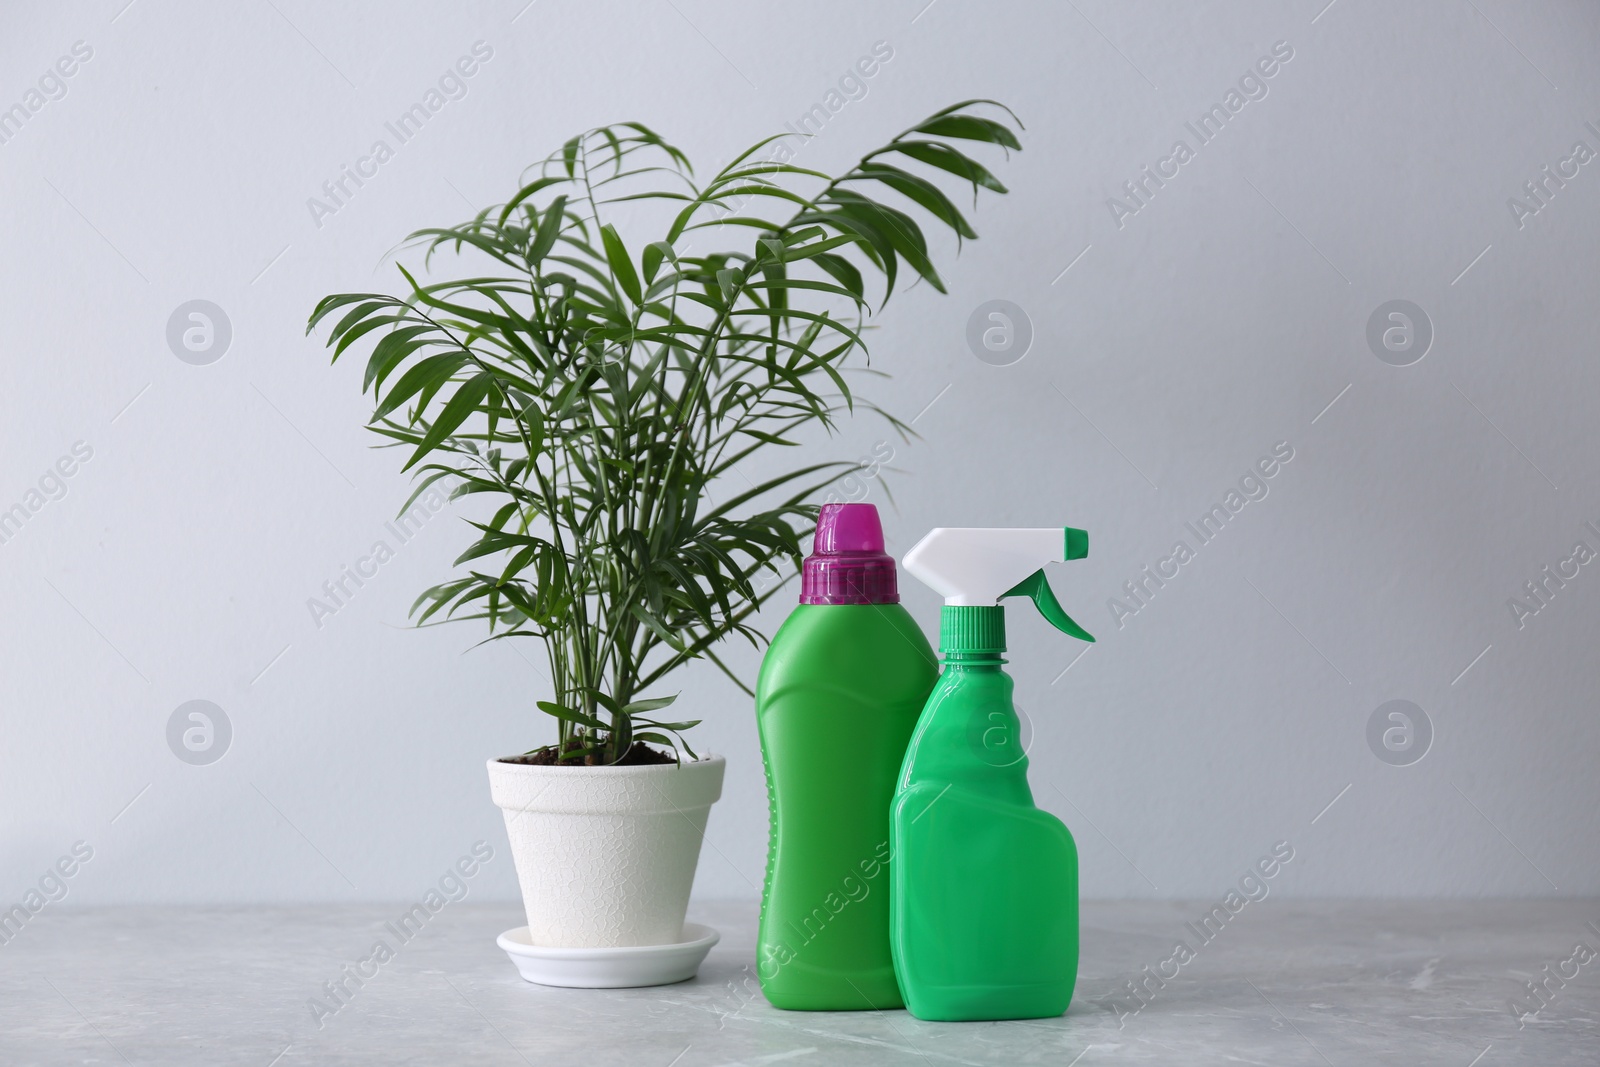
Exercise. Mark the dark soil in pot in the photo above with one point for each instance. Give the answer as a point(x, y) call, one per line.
point(639, 754)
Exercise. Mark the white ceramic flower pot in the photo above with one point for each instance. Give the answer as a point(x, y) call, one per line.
point(606, 855)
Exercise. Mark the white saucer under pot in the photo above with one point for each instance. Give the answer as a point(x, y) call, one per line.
point(609, 968)
point(606, 857)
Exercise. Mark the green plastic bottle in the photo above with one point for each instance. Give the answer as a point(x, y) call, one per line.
point(838, 696)
point(984, 886)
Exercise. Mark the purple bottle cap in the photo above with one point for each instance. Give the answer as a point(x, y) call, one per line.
point(847, 564)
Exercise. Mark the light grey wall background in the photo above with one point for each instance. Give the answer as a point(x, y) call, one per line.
point(1172, 347)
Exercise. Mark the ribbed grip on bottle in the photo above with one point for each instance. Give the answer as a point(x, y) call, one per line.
point(970, 630)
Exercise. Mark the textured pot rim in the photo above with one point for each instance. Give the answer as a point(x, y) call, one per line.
point(591, 791)
point(704, 762)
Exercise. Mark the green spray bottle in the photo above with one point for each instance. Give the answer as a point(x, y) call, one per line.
point(984, 887)
point(839, 693)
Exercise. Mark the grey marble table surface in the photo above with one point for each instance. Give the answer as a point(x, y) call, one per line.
point(1283, 982)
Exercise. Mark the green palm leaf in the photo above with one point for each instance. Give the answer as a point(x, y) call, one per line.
point(605, 403)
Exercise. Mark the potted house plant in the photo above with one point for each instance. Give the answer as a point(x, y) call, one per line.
point(594, 390)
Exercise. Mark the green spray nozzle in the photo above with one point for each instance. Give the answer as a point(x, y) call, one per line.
point(980, 567)
point(1037, 587)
